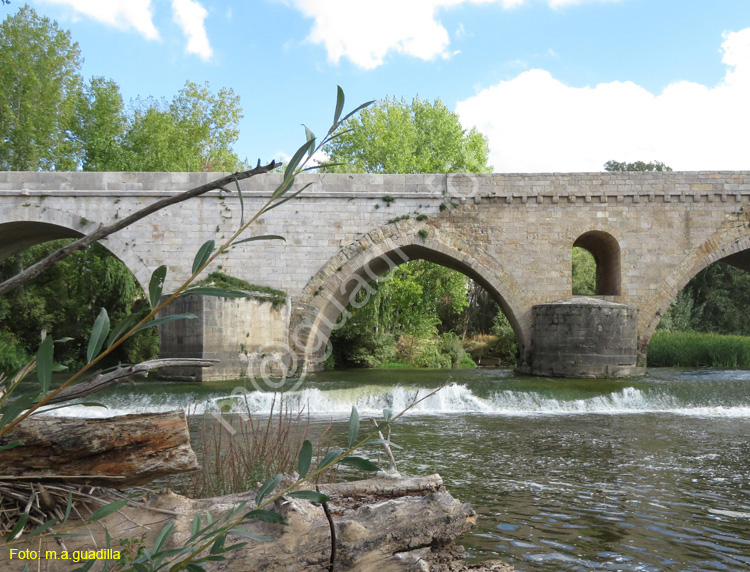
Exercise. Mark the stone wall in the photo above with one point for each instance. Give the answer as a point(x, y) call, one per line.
point(585, 337)
point(239, 332)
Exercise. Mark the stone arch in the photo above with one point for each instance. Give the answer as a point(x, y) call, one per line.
point(724, 244)
point(605, 249)
point(17, 235)
point(326, 295)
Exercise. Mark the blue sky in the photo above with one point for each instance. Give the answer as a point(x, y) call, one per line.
point(556, 85)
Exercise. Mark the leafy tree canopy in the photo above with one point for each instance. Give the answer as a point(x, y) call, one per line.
point(39, 86)
point(613, 166)
point(394, 136)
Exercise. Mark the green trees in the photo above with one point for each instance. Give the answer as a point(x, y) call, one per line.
point(67, 298)
point(101, 125)
point(39, 83)
point(194, 132)
point(50, 119)
point(396, 137)
point(613, 166)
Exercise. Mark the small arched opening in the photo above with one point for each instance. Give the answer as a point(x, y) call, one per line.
point(596, 264)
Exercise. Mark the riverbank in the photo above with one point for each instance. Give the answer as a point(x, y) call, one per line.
point(698, 349)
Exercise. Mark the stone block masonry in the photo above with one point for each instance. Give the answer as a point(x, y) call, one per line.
point(512, 233)
point(585, 337)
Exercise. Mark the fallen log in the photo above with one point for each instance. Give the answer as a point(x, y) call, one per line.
point(405, 525)
point(115, 452)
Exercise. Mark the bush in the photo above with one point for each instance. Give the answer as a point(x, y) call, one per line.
point(362, 349)
point(466, 363)
point(12, 354)
point(428, 354)
point(506, 347)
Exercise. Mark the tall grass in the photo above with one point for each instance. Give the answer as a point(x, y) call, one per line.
point(695, 349)
point(238, 451)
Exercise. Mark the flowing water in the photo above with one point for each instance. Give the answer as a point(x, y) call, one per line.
point(647, 475)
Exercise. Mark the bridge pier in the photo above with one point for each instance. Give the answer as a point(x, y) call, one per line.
point(247, 336)
point(585, 337)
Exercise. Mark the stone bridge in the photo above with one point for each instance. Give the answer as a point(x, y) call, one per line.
point(650, 233)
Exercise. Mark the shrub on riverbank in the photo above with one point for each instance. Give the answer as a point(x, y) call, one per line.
point(694, 349)
point(12, 353)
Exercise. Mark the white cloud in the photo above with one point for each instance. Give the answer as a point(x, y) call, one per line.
point(536, 123)
point(365, 33)
point(125, 14)
point(190, 15)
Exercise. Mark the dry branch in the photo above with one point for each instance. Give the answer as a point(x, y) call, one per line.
point(103, 380)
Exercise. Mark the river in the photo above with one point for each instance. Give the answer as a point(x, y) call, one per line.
point(649, 474)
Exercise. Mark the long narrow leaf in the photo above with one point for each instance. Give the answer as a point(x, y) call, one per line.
point(242, 201)
point(339, 104)
point(156, 285)
point(98, 335)
point(294, 161)
point(13, 409)
point(203, 254)
point(16, 530)
point(353, 426)
point(44, 363)
point(360, 463)
point(366, 104)
point(267, 487)
point(11, 445)
point(329, 458)
point(124, 326)
point(312, 496)
point(162, 537)
point(106, 510)
point(68, 507)
point(42, 527)
point(285, 199)
point(165, 319)
point(263, 237)
point(305, 458)
point(310, 137)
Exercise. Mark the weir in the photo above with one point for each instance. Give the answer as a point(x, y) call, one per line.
point(513, 233)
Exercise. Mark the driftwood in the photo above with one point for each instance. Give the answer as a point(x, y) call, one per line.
point(115, 452)
point(387, 525)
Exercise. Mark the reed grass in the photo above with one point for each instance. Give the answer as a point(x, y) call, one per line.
point(240, 450)
point(697, 349)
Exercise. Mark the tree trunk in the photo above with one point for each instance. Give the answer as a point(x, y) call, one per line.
point(388, 525)
point(115, 452)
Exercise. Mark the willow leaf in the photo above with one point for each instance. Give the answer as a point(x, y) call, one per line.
point(98, 335)
point(156, 284)
point(203, 254)
point(44, 363)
